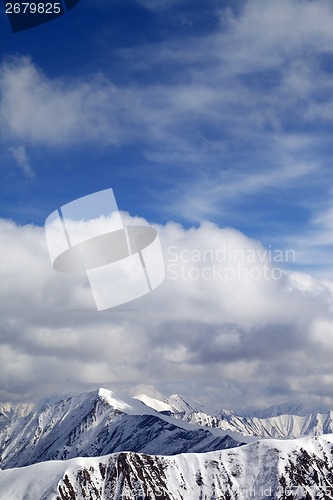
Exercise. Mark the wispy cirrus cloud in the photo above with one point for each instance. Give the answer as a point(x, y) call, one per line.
point(264, 67)
point(42, 111)
point(22, 160)
point(239, 113)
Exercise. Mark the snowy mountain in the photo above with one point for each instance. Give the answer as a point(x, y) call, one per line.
point(284, 421)
point(298, 409)
point(95, 424)
point(265, 469)
point(9, 410)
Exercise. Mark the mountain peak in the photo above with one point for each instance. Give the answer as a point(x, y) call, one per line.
point(116, 402)
point(126, 404)
point(156, 404)
point(96, 423)
point(180, 404)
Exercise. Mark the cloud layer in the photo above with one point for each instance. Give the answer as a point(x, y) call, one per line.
point(234, 125)
point(230, 324)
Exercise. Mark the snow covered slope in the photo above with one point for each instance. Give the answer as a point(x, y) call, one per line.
point(95, 424)
point(266, 469)
point(284, 421)
point(9, 410)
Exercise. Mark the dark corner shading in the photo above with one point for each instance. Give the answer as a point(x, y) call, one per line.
point(24, 15)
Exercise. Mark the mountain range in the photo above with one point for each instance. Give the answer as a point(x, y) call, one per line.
point(98, 445)
point(283, 421)
point(95, 424)
point(266, 469)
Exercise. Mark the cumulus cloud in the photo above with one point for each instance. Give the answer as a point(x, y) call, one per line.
point(229, 322)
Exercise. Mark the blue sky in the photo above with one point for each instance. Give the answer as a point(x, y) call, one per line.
point(190, 111)
point(218, 111)
point(100, 46)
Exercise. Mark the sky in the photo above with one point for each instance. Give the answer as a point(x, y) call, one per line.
point(211, 121)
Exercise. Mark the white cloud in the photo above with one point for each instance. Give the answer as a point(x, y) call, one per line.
point(38, 110)
point(314, 244)
point(21, 157)
point(262, 72)
point(195, 331)
point(240, 341)
point(262, 68)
